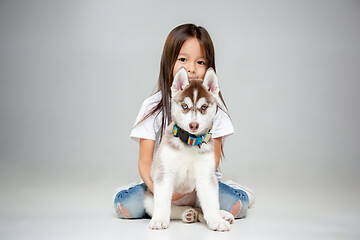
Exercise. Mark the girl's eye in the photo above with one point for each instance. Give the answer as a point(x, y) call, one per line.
point(201, 62)
point(182, 59)
point(204, 107)
point(185, 106)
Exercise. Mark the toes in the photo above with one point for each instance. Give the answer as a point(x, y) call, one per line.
point(158, 224)
point(227, 216)
point(190, 216)
point(219, 225)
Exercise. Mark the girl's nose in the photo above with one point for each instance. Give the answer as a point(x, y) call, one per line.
point(191, 69)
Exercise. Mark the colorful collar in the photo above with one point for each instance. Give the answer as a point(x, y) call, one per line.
point(191, 139)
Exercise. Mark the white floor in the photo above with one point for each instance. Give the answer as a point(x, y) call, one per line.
point(38, 211)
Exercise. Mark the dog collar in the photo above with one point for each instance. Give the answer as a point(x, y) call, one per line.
point(191, 139)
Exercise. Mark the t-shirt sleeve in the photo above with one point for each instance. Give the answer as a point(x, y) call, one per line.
point(147, 128)
point(222, 126)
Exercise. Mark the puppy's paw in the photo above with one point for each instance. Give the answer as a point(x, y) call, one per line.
point(218, 224)
point(227, 216)
point(190, 215)
point(158, 224)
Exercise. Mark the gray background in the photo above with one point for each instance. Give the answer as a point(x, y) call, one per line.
point(73, 75)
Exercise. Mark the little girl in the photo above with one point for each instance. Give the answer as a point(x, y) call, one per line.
point(191, 47)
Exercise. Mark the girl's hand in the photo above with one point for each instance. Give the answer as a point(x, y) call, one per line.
point(177, 196)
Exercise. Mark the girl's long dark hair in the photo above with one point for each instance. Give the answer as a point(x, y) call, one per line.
point(173, 44)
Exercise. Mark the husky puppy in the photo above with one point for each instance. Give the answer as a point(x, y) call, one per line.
point(185, 162)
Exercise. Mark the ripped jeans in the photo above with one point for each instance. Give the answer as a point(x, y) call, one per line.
point(129, 202)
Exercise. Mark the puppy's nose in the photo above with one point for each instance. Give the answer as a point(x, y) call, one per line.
point(194, 126)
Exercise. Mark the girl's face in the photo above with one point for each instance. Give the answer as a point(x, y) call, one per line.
point(192, 57)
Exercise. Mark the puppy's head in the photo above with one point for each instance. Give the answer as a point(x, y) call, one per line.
point(194, 102)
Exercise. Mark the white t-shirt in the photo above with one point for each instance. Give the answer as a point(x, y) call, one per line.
point(150, 128)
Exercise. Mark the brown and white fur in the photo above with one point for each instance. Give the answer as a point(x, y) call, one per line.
point(178, 167)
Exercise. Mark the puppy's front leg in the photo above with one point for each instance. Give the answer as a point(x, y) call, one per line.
point(163, 191)
point(208, 193)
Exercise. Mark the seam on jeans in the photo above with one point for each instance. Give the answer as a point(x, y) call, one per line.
point(123, 211)
point(238, 214)
point(229, 209)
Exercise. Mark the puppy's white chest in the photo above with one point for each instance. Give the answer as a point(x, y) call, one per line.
point(185, 180)
point(185, 165)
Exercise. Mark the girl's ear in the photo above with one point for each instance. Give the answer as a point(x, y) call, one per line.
point(180, 81)
point(211, 82)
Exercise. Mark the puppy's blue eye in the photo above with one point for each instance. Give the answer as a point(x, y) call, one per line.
point(204, 107)
point(185, 106)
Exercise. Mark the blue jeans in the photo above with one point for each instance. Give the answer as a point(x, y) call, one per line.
point(129, 203)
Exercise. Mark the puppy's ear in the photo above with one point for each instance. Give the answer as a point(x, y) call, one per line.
point(211, 82)
point(180, 82)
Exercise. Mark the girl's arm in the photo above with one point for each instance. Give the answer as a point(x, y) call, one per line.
point(146, 151)
point(217, 150)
